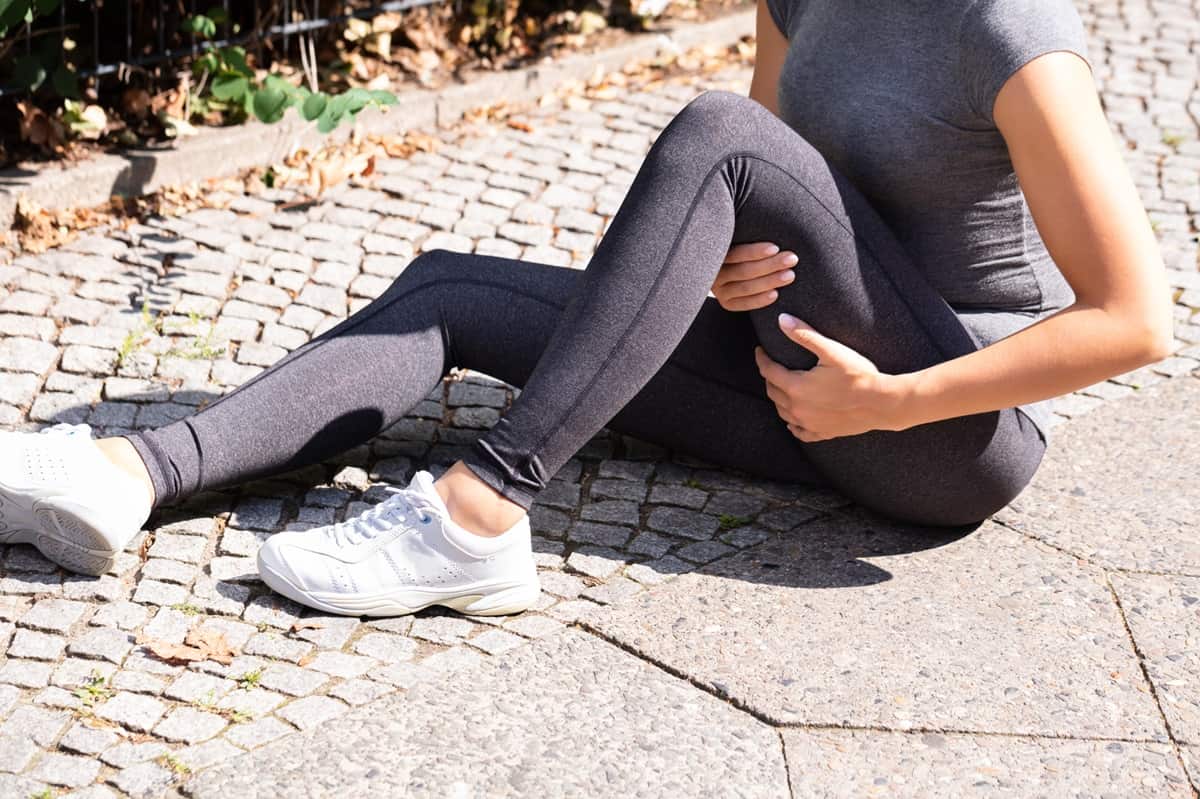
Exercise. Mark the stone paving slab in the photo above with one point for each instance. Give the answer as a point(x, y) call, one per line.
point(569, 716)
point(849, 623)
point(1164, 616)
point(1191, 762)
point(132, 328)
point(1122, 488)
point(842, 763)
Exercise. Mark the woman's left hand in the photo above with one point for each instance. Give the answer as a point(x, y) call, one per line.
point(843, 395)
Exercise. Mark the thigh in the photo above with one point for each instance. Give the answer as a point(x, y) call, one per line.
point(857, 284)
point(707, 400)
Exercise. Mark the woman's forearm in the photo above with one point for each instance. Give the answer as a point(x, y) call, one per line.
point(1069, 350)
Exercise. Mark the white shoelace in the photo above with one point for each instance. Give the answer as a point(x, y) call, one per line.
point(383, 517)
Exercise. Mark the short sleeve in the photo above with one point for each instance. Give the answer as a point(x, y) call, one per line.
point(781, 13)
point(1000, 36)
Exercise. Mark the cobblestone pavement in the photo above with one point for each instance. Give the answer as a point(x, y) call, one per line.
point(1052, 651)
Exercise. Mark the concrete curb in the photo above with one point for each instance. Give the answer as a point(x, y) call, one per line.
point(226, 151)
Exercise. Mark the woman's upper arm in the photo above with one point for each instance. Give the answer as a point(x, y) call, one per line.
point(1080, 194)
point(771, 48)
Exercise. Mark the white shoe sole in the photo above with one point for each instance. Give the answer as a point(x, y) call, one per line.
point(478, 600)
point(57, 532)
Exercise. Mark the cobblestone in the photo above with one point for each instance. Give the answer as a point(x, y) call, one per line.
point(138, 713)
point(267, 280)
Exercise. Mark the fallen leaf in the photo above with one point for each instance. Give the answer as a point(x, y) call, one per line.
point(199, 645)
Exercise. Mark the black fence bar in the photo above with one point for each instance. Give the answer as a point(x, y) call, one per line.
point(282, 29)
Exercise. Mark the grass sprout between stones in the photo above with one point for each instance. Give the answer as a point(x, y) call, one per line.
point(94, 689)
point(729, 522)
point(250, 679)
point(173, 763)
point(199, 347)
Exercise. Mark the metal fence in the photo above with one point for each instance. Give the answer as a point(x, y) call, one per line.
point(115, 37)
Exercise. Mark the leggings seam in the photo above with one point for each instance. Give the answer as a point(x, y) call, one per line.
point(722, 163)
point(934, 339)
point(658, 277)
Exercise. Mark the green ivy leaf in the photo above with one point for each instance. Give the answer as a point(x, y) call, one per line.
point(200, 25)
point(383, 97)
point(331, 117)
point(217, 15)
point(11, 14)
point(235, 60)
point(356, 99)
point(314, 106)
point(206, 63)
point(28, 72)
point(280, 84)
point(45, 6)
point(269, 104)
point(230, 86)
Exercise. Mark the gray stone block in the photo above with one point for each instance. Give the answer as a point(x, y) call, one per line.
point(982, 632)
point(1162, 614)
point(868, 763)
point(1119, 486)
point(565, 731)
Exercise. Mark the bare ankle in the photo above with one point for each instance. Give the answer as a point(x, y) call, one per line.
point(474, 505)
point(126, 458)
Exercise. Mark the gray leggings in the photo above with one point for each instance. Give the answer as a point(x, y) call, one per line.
point(634, 344)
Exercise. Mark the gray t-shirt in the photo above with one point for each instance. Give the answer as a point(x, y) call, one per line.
point(898, 96)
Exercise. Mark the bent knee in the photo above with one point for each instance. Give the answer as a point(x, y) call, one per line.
point(712, 124)
point(430, 264)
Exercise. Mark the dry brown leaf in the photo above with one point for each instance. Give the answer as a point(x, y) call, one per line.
point(200, 644)
point(144, 549)
point(521, 125)
point(135, 101)
point(41, 129)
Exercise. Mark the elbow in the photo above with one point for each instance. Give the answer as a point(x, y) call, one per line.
point(1152, 335)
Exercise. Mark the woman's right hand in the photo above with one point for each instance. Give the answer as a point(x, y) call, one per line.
point(751, 274)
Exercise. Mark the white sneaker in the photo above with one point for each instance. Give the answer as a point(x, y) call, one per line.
point(59, 492)
point(404, 554)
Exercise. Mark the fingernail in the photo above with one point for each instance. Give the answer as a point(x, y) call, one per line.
point(787, 276)
point(787, 320)
point(791, 259)
point(772, 249)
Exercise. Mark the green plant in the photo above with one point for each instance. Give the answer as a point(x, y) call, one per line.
point(200, 347)
point(175, 764)
point(187, 610)
point(729, 522)
point(236, 92)
point(47, 63)
point(250, 679)
point(94, 688)
point(20, 12)
point(136, 337)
